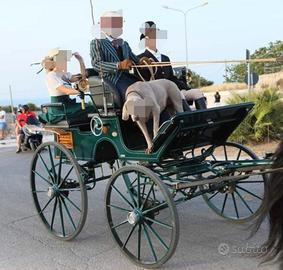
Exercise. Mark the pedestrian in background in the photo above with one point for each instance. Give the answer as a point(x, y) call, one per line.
point(3, 123)
point(217, 97)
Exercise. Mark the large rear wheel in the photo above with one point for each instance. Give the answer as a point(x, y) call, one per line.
point(241, 200)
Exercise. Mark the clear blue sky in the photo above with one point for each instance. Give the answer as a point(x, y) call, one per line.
point(221, 30)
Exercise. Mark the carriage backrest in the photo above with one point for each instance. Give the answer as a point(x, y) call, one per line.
point(99, 89)
point(190, 130)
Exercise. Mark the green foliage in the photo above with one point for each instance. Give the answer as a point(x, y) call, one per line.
point(236, 73)
point(198, 81)
point(265, 120)
point(7, 108)
point(33, 107)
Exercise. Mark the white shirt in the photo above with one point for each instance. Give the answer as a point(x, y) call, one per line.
point(54, 79)
point(2, 113)
point(156, 54)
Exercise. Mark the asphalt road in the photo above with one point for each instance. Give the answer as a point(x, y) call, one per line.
point(27, 245)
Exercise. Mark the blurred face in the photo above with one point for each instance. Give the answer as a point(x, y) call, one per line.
point(61, 60)
point(112, 26)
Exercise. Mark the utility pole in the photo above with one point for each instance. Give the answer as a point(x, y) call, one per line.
point(11, 99)
point(249, 69)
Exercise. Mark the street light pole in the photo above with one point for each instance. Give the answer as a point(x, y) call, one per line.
point(185, 13)
point(186, 40)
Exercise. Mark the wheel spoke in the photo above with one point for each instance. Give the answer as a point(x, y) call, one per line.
point(49, 201)
point(239, 154)
point(44, 164)
point(119, 224)
point(235, 205)
point(159, 223)
point(144, 184)
point(60, 167)
point(65, 178)
point(224, 203)
point(147, 196)
point(53, 213)
point(122, 196)
point(52, 163)
point(129, 236)
point(139, 242)
point(157, 236)
point(43, 178)
point(243, 200)
point(127, 183)
point(119, 208)
point(62, 218)
point(71, 202)
point(68, 213)
point(149, 243)
point(225, 152)
point(156, 208)
point(212, 196)
point(213, 157)
point(138, 187)
point(256, 196)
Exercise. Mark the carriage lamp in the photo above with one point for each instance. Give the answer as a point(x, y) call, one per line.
point(114, 134)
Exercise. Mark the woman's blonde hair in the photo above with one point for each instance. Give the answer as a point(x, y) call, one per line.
point(48, 63)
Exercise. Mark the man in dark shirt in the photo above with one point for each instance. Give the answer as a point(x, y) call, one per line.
point(149, 37)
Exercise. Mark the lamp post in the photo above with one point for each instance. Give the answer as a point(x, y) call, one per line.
point(185, 22)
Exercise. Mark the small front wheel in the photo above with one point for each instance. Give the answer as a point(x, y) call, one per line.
point(58, 190)
point(142, 216)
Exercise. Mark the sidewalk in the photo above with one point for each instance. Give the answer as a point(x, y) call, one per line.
point(8, 142)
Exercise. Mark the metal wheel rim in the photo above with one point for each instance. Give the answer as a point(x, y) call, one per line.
point(175, 221)
point(61, 203)
point(236, 194)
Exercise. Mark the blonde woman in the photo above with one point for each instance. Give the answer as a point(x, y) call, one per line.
point(59, 85)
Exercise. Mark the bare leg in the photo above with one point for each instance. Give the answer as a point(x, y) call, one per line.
point(19, 141)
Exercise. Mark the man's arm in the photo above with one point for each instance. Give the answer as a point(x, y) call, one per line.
point(96, 59)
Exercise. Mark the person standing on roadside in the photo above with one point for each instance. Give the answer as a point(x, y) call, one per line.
point(3, 123)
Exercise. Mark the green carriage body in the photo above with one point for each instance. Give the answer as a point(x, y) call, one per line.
point(183, 132)
point(190, 157)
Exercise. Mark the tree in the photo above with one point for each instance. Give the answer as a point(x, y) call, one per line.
point(237, 73)
point(197, 80)
point(33, 107)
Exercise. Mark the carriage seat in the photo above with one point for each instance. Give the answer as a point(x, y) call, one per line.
point(80, 122)
point(113, 99)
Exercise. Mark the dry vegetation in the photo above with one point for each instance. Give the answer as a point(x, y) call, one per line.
point(224, 87)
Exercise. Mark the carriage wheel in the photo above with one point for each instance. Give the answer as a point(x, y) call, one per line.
point(237, 201)
point(142, 216)
point(58, 190)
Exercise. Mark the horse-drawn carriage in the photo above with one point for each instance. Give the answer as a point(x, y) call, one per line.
point(190, 157)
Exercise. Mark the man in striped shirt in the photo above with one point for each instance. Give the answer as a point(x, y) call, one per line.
point(111, 56)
